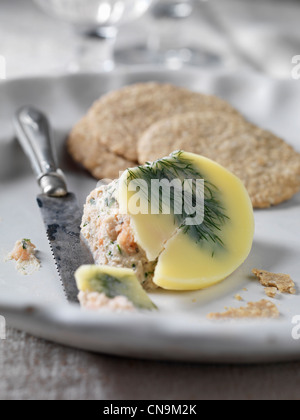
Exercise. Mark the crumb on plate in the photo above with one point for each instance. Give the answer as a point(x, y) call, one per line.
point(238, 297)
point(281, 282)
point(24, 255)
point(253, 310)
point(271, 292)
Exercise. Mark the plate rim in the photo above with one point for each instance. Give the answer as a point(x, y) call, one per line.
point(21, 315)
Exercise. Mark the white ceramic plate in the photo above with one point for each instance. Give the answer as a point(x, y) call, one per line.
point(180, 330)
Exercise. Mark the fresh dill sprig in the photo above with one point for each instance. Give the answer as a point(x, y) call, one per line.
point(25, 243)
point(176, 166)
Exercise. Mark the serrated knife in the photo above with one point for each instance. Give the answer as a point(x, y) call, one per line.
point(59, 208)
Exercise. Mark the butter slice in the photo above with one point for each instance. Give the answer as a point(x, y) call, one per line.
point(184, 264)
point(151, 231)
point(113, 282)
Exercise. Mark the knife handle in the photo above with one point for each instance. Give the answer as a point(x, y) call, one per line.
point(34, 134)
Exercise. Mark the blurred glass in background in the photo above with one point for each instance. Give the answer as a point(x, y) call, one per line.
point(95, 21)
point(167, 44)
point(259, 35)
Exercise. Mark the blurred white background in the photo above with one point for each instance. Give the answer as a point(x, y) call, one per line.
point(262, 35)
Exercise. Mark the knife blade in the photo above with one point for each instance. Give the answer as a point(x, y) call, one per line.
point(59, 208)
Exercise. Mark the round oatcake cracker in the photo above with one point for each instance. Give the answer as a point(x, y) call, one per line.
point(188, 132)
point(269, 167)
point(120, 118)
point(93, 155)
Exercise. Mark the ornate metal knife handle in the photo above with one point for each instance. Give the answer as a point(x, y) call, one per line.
point(35, 137)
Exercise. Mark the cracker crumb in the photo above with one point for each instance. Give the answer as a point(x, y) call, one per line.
point(238, 297)
point(281, 282)
point(271, 292)
point(253, 310)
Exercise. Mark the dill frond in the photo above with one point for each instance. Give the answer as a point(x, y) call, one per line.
point(176, 166)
